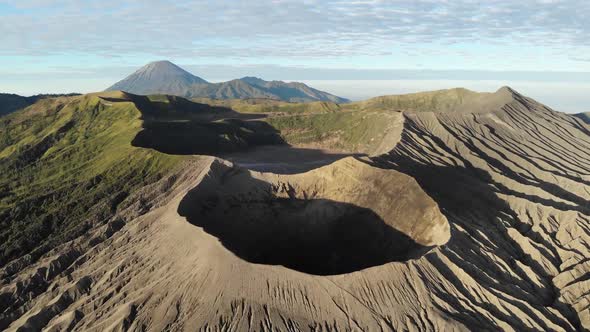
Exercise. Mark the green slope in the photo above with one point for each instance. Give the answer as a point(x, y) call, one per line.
point(262, 105)
point(351, 131)
point(450, 100)
point(348, 127)
point(10, 102)
point(71, 162)
point(66, 164)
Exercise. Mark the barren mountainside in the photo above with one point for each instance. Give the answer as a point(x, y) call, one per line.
point(447, 210)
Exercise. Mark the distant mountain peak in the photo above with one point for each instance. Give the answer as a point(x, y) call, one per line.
point(164, 77)
point(158, 77)
point(161, 62)
point(253, 80)
point(166, 67)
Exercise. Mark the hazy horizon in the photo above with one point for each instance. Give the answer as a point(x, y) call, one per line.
point(563, 91)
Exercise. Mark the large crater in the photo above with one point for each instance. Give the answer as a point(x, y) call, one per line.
point(335, 219)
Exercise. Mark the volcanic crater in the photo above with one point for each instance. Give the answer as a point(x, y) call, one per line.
point(336, 219)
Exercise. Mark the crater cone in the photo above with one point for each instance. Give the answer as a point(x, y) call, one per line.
point(336, 219)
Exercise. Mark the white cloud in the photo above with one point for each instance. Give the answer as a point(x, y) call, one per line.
point(282, 28)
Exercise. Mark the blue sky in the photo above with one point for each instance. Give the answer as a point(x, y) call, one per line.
point(85, 45)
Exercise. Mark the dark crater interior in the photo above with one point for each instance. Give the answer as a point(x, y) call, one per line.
point(316, 236)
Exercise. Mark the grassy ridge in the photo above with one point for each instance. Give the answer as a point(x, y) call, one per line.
point(65, 165)
point(359, 126)
point(351, 130)
point(442, 100)
point(69, 163)
point(11, 102)
point(271, 106)
point(432, 101)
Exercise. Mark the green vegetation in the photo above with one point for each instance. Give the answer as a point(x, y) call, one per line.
point(428, 101)
point(433, 101)
point(451, 100)
point(358, 126)
point(272, 106)
point(66, 164)
point(69, 163)
point(350, 130)
point(11, 102)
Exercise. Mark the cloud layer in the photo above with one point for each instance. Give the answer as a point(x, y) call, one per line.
point(285, 28)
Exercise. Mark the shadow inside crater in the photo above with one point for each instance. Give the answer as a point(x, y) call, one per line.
point(284, 159)
point(182, 127)
point(315, 236)
point(179, 126)
point(187, 137)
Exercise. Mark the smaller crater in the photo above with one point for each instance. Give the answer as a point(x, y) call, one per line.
point(298, 221)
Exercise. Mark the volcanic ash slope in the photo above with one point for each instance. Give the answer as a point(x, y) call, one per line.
point(514, 185)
